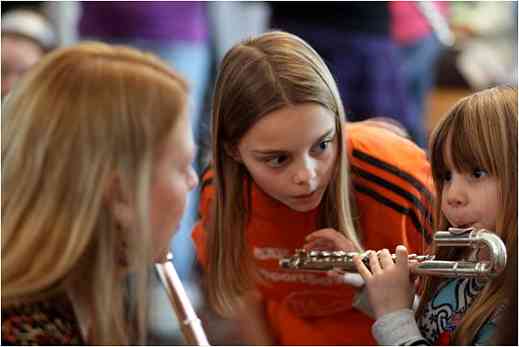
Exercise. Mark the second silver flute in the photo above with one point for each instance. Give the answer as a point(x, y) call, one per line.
point(190, 324)
point(425, 264)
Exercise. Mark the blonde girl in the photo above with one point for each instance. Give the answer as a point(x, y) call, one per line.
point(285, 167)
point(96, 164)
point(474, 164)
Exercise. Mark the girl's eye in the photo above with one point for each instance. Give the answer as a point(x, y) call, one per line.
point(478, 173)
point(447, 176)
point(277, 161)
point(322, 146)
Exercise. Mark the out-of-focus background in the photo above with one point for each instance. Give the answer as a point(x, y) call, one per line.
point(409, 61)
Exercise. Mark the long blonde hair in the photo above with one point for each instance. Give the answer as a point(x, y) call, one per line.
point(256, 77)
point(83, 114)
point(481, 132)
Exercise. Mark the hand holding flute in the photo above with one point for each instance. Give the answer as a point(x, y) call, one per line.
point(388, 282)
point(394, 281)
point(387, 275)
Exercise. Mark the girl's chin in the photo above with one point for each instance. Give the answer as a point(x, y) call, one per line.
point(304, 210)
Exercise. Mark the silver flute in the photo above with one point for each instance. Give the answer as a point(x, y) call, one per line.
point(320, 261)
point(189, 323)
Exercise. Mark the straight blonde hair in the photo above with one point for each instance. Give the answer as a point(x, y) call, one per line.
point(480, 131)
point(256, 77)
point(80, 116)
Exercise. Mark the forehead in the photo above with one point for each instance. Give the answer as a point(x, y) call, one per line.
point(290, 127)
point(461, 153)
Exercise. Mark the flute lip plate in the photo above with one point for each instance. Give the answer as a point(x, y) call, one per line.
point(460, 231)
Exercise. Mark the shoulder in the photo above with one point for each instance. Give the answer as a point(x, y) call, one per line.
point(367, 140)
point(381, 155)
point(391, 175)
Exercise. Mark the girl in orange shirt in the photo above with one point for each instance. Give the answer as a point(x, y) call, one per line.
point(285, 165)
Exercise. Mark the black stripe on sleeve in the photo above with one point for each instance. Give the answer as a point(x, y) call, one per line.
point(397, 207)
point(395, 189)
point(393, 170)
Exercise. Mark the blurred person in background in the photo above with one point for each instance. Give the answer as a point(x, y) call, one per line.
point(233, 21)
point(486, 35)
point(26, 37)
point(420, 46)
point(354, 40)
point(178, 33)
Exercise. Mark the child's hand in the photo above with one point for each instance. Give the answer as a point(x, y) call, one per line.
point(387, 284)
point(328, 240)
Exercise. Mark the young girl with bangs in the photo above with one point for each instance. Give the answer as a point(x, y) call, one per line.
point(285, 168)
point(96, 165)
point(474, 165)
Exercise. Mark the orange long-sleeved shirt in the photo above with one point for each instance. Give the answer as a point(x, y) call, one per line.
point(391, 185)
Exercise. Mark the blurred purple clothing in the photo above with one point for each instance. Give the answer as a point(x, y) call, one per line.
point(151, 20)
point(353, 38)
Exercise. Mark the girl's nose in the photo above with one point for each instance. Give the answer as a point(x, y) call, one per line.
point(456, 201)
point(456, 197)
point(305, 174)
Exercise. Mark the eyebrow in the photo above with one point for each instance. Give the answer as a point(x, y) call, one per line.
point(277, 151)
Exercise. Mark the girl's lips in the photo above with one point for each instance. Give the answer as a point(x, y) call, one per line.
point(460, 222)
point(305, 196)
point(463, 225)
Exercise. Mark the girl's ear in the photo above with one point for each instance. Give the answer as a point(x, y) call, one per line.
point(119, 203)
point(233, 152)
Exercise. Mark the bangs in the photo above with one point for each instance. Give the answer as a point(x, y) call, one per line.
point(465, 139)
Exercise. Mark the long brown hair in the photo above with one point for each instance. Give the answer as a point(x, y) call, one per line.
point(82, 115)
point(481, 132)
point(256, 77)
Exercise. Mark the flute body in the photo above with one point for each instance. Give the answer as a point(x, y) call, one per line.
point(189, 323)
point(320, 261)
